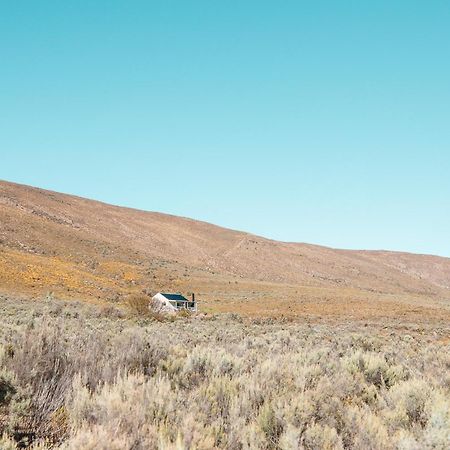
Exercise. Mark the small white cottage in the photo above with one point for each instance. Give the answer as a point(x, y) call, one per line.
point(174, 302)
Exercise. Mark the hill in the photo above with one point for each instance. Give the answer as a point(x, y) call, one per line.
point(80, 248)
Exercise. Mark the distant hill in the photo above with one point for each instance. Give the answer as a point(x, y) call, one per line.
point(82, 248)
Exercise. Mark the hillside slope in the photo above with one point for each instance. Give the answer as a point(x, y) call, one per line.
point(84, 248)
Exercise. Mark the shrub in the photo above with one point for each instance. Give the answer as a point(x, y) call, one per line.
point(143, 306)
point(437, 431)
point(407, 401)
point(7, 389)
point(366, 430)
point(7, 443)
point(184, 313)
point(139, 304)
point(375, 369)
point(270, 424)
point(323, 437)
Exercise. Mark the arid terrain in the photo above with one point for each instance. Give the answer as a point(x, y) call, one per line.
point(73, 248)
point(301, 346)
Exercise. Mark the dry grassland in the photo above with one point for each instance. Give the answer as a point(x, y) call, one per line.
point(80, 376)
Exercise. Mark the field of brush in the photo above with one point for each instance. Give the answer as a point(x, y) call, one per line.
point(80, 376)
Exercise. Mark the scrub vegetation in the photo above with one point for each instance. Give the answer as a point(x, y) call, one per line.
point(80, 376)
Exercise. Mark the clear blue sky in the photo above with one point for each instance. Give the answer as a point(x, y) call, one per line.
point(317, 121)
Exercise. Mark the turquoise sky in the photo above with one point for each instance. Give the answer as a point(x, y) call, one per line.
point(316, 121)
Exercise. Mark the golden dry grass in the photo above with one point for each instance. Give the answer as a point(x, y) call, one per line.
point(37, 275)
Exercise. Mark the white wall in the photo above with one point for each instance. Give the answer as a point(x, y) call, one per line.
point(165, 304)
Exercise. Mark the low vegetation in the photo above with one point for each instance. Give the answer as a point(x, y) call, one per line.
point(76, 376)
point(142, 306)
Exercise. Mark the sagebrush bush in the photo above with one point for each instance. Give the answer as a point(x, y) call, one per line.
point(144, 306)
point(321, 436)
point(7, 443)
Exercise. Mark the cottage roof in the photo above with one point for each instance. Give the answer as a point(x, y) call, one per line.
point(175, 297)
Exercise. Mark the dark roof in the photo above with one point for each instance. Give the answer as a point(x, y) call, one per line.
point(176, 297)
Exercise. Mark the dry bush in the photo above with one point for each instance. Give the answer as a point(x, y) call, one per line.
point(184, 313)
point(7, 443)
point(321, 436)
point(139, 304)
point(144, 306)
